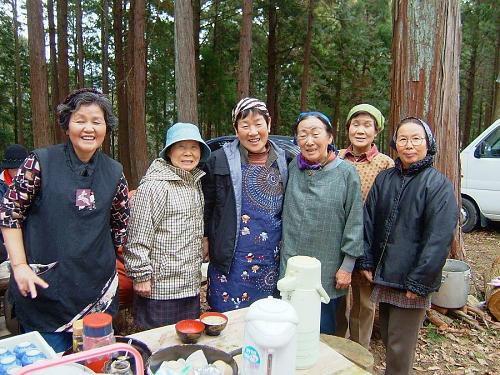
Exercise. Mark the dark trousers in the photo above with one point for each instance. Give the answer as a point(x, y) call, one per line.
point(399, 329)
point(328, 320)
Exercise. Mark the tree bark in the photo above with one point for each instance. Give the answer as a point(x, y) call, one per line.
point(53, 68)
point(425, 79)
point(196, 39)
point(38, 75)
point(106, 146)
point(137, 93)
point(62, 59)
point(272, 63)
point(307, 56)
point(185, 70)
point(18, 90)
point(496, 91)
point(243, 89)
point(79, 41)
point(121, 92)
point(491, 293)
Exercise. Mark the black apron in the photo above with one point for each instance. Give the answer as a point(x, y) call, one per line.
point(77, 238)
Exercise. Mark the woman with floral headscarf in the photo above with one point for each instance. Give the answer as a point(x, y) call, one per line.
point(410, 218)
point(243, 191)
point(322, 213)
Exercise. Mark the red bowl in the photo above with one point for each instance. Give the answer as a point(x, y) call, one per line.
point(189, 330)
point(214, 322)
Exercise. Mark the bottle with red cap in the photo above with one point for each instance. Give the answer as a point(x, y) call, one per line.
point(97, 332)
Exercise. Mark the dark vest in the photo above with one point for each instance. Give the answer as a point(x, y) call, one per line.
point(79, 240)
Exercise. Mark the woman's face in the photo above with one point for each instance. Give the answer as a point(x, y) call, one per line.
point(253, 132)
point(313, 139)
point(185, 155)
point(362, 132)
point(86, 130)
point(407, 139)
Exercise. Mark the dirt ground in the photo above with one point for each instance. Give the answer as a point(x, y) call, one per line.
point(465, 350)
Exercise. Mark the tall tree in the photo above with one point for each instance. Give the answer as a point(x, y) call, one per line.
point(137, 92)
point(53, 65)
point(38, 75)
point(105, 63)
point(471, 80)
point(272, 63)
point(121, 91)
point(185, 70)
point(18, 96)
point(425, 74)
point(307, 56)
point(62, 56)
point(79, 43)
point(243, 89)
point(196, 39)
point(496, 91)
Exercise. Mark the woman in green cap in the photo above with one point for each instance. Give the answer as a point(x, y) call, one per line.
point(364, 122)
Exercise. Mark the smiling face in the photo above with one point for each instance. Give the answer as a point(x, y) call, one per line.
point(253, 132)
point(408, 152)
point(313, 139)
point(362, 132)
point(185, 155)
point(86, 130)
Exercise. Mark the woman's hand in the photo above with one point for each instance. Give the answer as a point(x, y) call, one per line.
point(368, 275)
point(343, 279)
point(143, 288)
point(27, 280)
point(410, 295)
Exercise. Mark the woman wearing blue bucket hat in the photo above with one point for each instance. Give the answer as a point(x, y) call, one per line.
point(164, 251)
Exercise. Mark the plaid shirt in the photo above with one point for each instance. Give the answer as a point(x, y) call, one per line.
point(398, 298)
point(166, 231)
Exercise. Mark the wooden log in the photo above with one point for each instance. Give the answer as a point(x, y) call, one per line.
point(435, 319)
point(492, 294)
point(441, 310)
point(466, 318)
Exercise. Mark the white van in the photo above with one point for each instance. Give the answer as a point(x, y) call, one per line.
point(481, 179)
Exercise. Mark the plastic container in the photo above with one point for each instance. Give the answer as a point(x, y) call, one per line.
point(302, 287)
point(97, 332)
point(32, 356)
point(270, 342)
point(8, 362)
point(120, 366)
point(34, 338)
point(78, 336)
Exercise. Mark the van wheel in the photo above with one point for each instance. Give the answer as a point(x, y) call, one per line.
point(469, 216)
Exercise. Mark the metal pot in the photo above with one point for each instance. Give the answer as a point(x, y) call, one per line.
point(455, 284)
point(173, 353)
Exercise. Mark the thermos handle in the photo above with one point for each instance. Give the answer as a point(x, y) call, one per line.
point(325, 298)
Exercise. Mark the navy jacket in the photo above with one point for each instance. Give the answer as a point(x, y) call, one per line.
point(409, 222)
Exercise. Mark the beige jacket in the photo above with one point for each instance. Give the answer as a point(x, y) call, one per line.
point(166, 230)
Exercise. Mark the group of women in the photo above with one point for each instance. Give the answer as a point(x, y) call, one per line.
point(381, 230)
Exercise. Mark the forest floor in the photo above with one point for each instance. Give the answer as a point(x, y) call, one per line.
point(462, 350)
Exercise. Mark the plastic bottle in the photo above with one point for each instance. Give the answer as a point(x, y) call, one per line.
point(78, 336)
point(97, 332)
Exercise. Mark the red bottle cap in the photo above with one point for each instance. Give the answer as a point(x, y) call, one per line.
point(97, 324)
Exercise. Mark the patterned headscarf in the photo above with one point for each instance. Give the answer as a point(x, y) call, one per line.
point(431, 141)
point(248, 103)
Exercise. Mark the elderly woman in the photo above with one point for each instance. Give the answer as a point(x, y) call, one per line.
point(243, 190)
point(322, 214)
point(62, 220)
point(409, 221)
point(164, 252)
point(363, 124)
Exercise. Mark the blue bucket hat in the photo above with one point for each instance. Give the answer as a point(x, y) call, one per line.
point(182, 131)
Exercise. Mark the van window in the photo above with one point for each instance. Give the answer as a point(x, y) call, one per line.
point(490, 147)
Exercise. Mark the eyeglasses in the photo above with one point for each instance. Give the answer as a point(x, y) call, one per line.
point(319, 115)
point(415, 141)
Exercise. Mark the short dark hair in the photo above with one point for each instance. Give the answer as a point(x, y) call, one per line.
point(86, 96)
point(254, 111)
